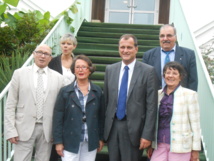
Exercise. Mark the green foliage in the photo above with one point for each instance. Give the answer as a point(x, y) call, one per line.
point(27, 30)
point(74, 8)
point(4, 5)
point(9, 64)
point(208, 60)
point(68, 19)
point(8, 40)
point(12, 2)
point(23, 31)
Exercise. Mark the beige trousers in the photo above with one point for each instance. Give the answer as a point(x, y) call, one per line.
point(24, 149)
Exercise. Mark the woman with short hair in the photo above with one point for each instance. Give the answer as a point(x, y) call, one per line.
point(178, 125)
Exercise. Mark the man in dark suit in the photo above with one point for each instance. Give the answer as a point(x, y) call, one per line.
point(157, 56)
point(128, 135)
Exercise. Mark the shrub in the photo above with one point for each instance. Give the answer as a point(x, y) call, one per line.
point(9, 64)
point(24, 30)
point(8, 40)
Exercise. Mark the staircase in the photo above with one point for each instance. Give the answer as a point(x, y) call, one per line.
point(99, 41)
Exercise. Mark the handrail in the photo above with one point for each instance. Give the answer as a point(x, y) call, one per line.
point(52, 39)
point(205, 89)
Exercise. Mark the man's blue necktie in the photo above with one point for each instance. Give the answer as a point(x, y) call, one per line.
point(121, 108)
point(167, 59)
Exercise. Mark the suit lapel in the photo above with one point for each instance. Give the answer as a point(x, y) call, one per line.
point(30, 75)
point(73, 95)
point(116, 75)
point(50, 81)
point(136, 73)
point(76, 100)
point(178, 55)
point(157, 62)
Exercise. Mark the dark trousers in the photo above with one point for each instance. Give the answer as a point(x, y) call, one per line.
point(120, 147)
point(54, 156)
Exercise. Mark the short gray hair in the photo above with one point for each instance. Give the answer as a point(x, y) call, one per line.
point(70, 37)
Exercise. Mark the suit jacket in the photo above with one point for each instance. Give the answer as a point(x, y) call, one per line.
point(56, 64)
point(184, 56)
point(141, 105)
point(20, 113)
point(185, 123)
point(67, 121)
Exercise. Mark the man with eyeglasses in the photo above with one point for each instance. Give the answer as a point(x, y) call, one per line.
point(29, 108)
point(170, 51)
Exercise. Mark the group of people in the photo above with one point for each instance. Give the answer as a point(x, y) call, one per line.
point(53, 106)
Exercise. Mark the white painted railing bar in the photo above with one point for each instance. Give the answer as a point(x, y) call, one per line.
point(205, 89)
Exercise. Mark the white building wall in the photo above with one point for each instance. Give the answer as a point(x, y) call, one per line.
point(205, 37)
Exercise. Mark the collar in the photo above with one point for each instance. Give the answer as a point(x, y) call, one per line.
point(131, 65)
point(36, 68)
point(77, 87)
point(171, 49)
point(164, 89)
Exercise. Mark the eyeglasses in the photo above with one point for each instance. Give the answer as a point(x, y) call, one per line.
point(167, 36)
point(83, 68)
point(40, 53)
point(172, 73)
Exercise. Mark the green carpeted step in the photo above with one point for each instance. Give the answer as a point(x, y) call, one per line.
point(98, 52)
point(113, 41)
point(116, 25)
point(115, 35)
point(99, 41)
point(100, 67)
point(99, 83)
point(106, 60)
point(96, 46)
point(120, 30)
point(97, 76)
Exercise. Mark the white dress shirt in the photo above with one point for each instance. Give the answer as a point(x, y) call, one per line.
point(44, 76)
point(131, 69)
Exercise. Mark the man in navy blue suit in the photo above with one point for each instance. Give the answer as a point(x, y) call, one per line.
point(156, 57)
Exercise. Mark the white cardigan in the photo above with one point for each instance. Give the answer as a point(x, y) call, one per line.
point(185, 123)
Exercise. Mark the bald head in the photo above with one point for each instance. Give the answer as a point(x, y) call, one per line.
point(42, 55)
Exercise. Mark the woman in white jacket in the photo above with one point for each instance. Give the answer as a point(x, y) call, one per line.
point(178, 124)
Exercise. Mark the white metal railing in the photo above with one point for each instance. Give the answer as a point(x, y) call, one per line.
point(205, 88)
point(52, 39)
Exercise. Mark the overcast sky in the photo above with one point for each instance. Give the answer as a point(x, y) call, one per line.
point(55, 7)
point(198, 12)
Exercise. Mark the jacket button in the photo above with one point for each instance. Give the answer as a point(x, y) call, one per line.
point(72, 119)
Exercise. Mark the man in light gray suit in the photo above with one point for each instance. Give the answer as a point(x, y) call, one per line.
point(28, 114)
point(127, 136)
